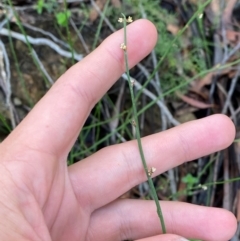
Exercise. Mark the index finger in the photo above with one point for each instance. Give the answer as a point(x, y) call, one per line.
point(54, 123)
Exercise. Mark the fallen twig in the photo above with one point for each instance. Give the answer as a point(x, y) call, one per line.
point(41, 41)
point(6, 81)
point(55, 39)
point(230, 92)
point(227, 13)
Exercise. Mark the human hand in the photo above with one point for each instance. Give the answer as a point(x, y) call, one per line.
point(43, 199)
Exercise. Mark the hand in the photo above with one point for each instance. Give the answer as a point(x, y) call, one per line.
point(42, 199)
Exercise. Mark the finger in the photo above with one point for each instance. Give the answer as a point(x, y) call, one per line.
point(164, 237)
point(120, 165)
point(55, 122)
point(136, 219)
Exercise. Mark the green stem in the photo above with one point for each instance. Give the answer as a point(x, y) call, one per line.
point(68, 32)
point(100, 25)
point(138, 136)
point(21, 78)
point(27, 42)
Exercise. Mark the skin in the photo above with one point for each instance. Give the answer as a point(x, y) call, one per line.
point(43, 199)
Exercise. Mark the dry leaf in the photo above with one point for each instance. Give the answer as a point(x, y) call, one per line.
point(100, 4)
point(207, 80)
point(216, 7)
point(193, 102)
point(172, 29)
point(233, 36)
point(116, 3)
point(182, 186)
point(94, 13)
point(227, 14)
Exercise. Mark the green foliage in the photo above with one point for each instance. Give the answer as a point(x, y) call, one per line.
point(47, 5)
point(4, 126)
point(190, 180)
point(63, 17)
point(40, 6)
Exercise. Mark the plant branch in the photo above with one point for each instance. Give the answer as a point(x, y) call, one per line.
point(138, 136)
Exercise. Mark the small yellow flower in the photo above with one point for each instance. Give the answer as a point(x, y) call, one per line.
point(123, 46)
point(120, 20)
point(129, 20)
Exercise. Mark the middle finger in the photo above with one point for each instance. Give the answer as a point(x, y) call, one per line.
point(106, 175)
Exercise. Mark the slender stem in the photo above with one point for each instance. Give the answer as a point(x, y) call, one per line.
point(68, 31)
point(138, 136)
point(27, 41)
point(21, 78)
point(100, 25)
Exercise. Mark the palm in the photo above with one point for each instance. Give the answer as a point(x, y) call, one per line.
point(53, 202)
